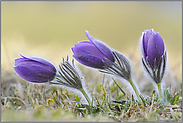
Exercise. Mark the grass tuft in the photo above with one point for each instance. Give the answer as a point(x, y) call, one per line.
point(22, 101)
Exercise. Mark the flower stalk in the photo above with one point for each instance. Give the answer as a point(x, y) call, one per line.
point(121, 68)
point(160, 91)
point(85, 95)
point(135, 89)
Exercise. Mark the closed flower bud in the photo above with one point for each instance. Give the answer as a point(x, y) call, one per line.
point(153, 47)
point(154, 57)
point(34, 69)
point(92, 53)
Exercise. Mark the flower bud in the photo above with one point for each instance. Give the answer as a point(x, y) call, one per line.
point(34, 69)
point(154, 56)
point(153, 47)
point(92, 53)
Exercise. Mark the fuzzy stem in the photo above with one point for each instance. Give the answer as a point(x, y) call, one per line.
point(85, 95)
point(135, 89)
point(160, 91)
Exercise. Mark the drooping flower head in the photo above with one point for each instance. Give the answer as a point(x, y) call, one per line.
point(96, 54)
point(152, 46)
point(92, 53)
point(34, 69)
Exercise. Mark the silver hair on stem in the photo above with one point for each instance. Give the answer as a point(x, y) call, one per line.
point(68, 76)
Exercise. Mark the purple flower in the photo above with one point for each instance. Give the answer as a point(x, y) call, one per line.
point(154, 58)
point(152, 47)
point(92, 53)
point(34, 69)
point(154, 55)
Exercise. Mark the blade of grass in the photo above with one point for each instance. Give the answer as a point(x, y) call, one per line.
point(119, 87)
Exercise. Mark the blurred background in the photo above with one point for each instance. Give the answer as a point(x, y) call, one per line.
point(49, 29)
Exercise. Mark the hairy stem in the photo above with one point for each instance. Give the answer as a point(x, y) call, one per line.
point(160, 91)
point(135, 89)
point(85, 95)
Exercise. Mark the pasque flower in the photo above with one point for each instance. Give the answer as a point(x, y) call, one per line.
point(96, 54)
point(154, 56)
point(34, 69)
point(92, 53)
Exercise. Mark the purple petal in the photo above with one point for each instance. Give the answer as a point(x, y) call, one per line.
point(146, 35)
point(101, 46)
point(34, 73)
point(39, 61)
point(73, 48)
point(23, 61)
point(34, 69)
point(20, 61)
point(87, 48)
point(155, 48)
point(89, 60)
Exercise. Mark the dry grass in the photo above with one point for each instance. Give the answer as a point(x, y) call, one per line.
point(22, 101)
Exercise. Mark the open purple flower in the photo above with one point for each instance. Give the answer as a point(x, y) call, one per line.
point(92, 53)
point(153, 47)
point(34, 69)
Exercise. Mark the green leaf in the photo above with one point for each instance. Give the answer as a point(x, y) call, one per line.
point(176, 98)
